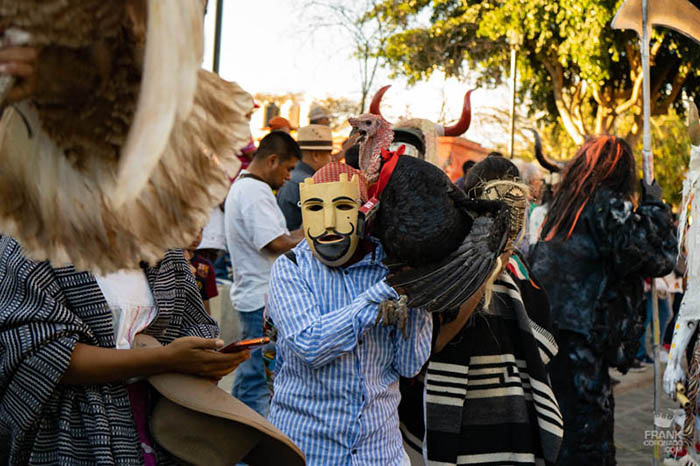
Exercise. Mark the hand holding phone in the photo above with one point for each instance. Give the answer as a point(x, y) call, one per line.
point(199, 356)
point(245, 344)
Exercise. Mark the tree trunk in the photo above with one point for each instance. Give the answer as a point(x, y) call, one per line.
point(556, 72)
point(633, 135)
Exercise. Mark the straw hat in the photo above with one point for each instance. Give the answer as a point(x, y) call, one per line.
point(315, 137)
point(200, 423)
point(318, 112)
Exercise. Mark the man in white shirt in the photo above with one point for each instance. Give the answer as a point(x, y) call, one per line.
point(256, 234)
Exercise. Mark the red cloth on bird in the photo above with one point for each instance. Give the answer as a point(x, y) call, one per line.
point(330, 173)
point(390, 159)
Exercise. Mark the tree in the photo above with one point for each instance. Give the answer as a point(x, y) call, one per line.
point(671, 147)
point(584, 75)
point(556, 144)
point(366, 32)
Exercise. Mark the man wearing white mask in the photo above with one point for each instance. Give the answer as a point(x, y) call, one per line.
point(336, 387)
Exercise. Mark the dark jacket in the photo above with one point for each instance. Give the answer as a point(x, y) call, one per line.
point(594, 279)
point(288, 195)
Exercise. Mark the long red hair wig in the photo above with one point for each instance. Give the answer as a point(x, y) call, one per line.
point(603, 161)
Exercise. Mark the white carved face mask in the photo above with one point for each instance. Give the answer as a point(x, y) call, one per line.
point(329, 214)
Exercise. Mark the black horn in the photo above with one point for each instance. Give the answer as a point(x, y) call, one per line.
point(552, 167)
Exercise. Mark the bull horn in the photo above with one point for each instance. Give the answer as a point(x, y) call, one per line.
point(552, 167)
point(462, 125)
point(693, 124)
point(377, 100)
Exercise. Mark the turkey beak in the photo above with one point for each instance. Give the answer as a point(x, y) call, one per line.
point(358, 135)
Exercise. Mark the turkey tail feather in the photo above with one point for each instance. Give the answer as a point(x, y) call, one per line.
point(414, 276)
point(446, 285)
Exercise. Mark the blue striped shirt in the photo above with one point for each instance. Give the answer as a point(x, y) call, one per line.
point(336, 384)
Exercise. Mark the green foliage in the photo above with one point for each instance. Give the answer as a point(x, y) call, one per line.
point(556, 142)
point(564, 43)
point(671, 154)
point(572, 65)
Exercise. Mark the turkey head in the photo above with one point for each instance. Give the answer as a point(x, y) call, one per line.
point(376, 135)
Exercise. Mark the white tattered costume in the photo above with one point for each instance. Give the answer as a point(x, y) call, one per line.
point(689, 314)
point(121, 155)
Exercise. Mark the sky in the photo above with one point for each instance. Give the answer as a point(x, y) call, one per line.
point(269, 47)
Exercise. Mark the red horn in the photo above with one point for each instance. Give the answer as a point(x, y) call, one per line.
point(462, 125)
point(377, 100)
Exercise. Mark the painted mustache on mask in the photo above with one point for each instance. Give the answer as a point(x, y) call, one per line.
point(332, 246)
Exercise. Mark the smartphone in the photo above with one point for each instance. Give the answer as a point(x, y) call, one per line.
point(244, 344)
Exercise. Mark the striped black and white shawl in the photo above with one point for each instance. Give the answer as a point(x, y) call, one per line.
point(488, 399)
point(44, 312)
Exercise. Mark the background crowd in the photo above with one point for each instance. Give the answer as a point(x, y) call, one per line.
point(262, 221)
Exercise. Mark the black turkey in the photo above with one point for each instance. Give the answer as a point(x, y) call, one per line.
point(441, 246)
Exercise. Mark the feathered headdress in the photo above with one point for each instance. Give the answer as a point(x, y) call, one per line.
point(125, 146)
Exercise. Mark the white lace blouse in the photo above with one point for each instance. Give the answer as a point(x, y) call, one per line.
point(131, 301)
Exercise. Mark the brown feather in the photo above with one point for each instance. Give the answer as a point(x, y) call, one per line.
point(57, 210)
point(74, 24)
point(106, 177)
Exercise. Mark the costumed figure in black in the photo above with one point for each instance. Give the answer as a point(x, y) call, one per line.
point(594, 251)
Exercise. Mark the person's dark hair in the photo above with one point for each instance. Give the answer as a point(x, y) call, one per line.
point(495, 153)
point(352, 156)
point(280, 143)
point(491, 168)
point(601, 162)
point(466, 166)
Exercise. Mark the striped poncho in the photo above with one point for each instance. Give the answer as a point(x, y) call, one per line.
point(44, 312)
point(488, 399)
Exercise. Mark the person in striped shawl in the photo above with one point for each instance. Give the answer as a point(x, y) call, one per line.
point(66, 337)
point(67, 369)
point(486, 392)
